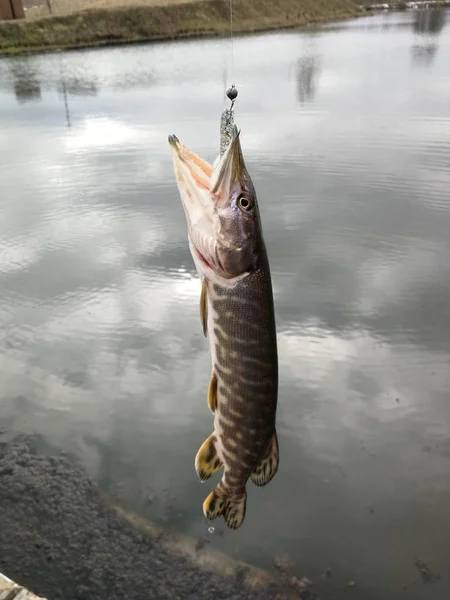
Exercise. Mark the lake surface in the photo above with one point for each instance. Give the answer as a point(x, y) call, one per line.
point(346, 133)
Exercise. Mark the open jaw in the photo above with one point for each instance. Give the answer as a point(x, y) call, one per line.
point(205, 190)
point(194, 173)
point(193, 176)
point(200, 170)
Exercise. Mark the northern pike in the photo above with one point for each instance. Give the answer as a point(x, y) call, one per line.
point(237, 313)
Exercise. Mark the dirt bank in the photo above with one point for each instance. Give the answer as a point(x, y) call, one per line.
point(60, 539)
point(177, 20)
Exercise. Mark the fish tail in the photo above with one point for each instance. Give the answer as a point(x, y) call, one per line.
point(232, 508)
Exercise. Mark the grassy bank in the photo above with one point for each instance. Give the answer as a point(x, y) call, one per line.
point(145, 23)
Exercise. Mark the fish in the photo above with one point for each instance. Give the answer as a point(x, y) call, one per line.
point(237, 315)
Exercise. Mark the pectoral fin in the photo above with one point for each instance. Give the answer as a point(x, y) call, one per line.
point(207, 461)
point(204, 306)
point(212, 392)
point(268, 465)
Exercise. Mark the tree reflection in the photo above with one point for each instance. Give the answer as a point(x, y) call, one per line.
point(429, 21)
point(427, 24)
point(307, 72)
point(423, 54)
point(27, 86)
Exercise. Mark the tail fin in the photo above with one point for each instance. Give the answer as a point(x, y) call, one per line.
point(231, 507)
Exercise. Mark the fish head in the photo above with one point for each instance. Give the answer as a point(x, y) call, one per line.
point(221, 210)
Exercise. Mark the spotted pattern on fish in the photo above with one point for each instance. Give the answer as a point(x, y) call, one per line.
point(241, 329)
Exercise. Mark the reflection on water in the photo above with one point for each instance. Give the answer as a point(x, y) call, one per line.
point(27, 74)
point(428, 25)
point(80, 87)
point(305, 71)
point(101, 346)
point(429, 21)
point(307, 75)
point(25, 82)
point(423, 54)
point(63, 91)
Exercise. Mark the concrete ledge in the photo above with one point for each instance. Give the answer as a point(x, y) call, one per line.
point(11, 591)
point(65, 539)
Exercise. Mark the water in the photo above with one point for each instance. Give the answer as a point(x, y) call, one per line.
point(346, 132)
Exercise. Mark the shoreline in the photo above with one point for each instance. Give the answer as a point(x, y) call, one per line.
point(63, 537)
point(146, 24)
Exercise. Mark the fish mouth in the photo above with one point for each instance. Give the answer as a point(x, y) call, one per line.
point(221, 178)
point(199, 170)
point(193, 176)
point(205, 192)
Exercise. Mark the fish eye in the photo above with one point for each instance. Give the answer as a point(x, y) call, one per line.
point(244, 203)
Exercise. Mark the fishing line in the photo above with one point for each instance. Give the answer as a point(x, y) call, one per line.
point(232, 91)
point(231, 40)
point(227, 119)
